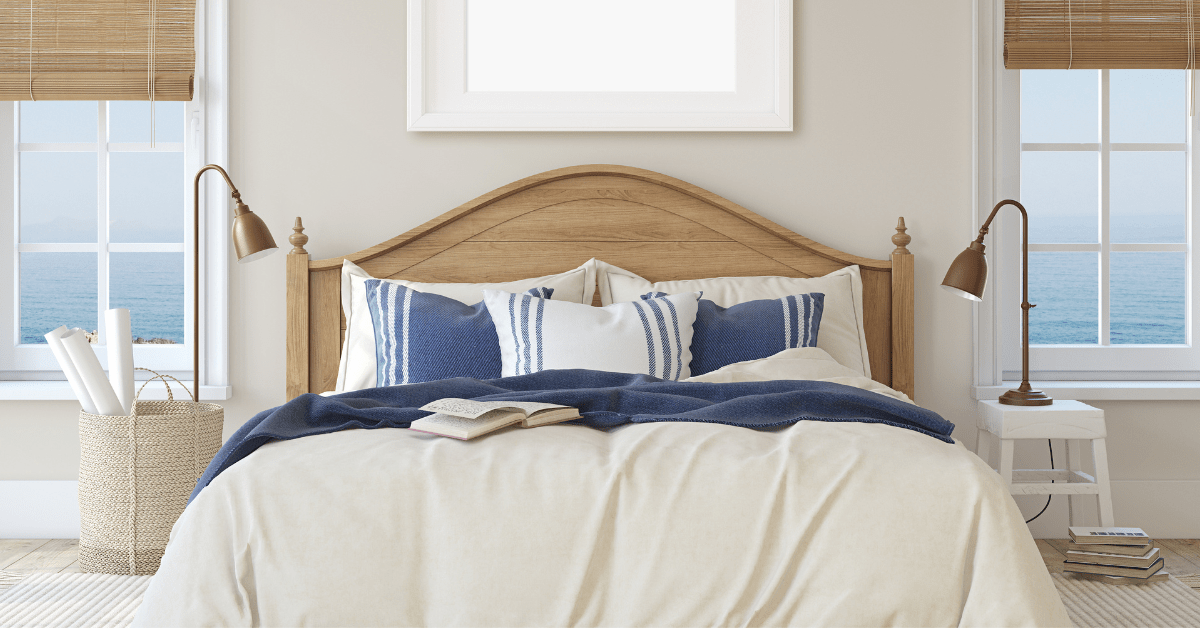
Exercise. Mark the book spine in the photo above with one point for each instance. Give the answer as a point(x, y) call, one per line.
point(1130, 572)
point(1112, 560)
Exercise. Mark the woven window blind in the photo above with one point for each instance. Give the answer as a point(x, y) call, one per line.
point(97, 49)
point(1101, 34)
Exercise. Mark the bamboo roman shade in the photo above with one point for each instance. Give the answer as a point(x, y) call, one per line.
point(97, 49)
point(1100, 34)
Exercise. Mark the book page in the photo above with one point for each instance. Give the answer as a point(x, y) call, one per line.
point(462, 407)
point(465, 427)
point(530, 407)
point(470, 409)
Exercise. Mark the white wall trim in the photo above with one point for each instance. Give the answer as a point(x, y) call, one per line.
point(39, 509)
point(43, 390)
point(1100, 390)
point(987, 368)
point(1165, 509)
point(213, 86)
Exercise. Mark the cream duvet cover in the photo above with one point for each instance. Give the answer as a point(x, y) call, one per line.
point(660, 524)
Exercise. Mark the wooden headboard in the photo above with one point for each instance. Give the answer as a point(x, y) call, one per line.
point(654, 225)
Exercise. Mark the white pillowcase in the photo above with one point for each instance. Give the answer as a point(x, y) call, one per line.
point(842, 333)
point(356, 370)
point(653, 336)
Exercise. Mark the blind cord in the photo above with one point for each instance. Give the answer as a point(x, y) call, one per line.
point(31, 50)
point(1191, 66)
point(150, 61)
point(1050, 444)
point(1071, 36)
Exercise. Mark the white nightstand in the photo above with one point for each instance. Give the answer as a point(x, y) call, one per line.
point(1071, 420)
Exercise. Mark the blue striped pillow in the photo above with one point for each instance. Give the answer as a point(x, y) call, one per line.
point(752, 330)
point(421, 337)
point(652, 336)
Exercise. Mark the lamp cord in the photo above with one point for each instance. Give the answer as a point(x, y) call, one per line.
point(1050, 444)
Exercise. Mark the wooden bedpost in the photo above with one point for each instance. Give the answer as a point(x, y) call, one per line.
point(903, 362)
point(297, 313)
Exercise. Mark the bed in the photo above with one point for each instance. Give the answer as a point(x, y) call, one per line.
point(655, 523)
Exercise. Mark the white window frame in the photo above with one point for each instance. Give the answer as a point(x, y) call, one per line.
point(1065, 371)
point(438, 99)
point(28, 375)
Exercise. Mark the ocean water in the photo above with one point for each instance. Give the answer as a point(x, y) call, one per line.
point(60, 289)
point(1146, 304)
point(1146, 301)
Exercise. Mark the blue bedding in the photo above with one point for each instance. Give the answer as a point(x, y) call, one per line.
point(605, 400)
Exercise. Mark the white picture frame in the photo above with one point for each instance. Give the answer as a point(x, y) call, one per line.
point(760, 72)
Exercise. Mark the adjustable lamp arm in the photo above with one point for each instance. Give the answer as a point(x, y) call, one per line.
point(968, 276)
point(251, 239)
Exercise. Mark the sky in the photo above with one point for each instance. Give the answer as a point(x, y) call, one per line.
point(1063, 106)
point(59, 189)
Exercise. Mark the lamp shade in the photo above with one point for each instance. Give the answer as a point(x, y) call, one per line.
point(967, 276)
point(251, 238)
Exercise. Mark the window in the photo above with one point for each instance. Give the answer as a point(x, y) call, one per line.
point(95, 216)
point(1104, 176)
point(100, 223)
point(1102, 161)
point(1104, 173)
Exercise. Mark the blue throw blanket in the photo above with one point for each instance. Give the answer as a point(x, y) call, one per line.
point(604, 400)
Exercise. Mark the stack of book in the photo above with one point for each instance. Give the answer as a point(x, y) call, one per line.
point(1116, 555)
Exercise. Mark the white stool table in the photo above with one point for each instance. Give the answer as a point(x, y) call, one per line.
point(1071, 420)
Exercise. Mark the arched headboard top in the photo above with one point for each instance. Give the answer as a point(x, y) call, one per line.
point(649, 223)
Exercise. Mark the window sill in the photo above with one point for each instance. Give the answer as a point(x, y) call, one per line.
point(1104, 391)
point(18, 390)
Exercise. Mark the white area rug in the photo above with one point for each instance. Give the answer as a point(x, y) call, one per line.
point(1093, 604)
point(107, 601)
point(53, 600)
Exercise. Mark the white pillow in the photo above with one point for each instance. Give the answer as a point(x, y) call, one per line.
point(356, 370)
point(842, 333)
point(653, 336)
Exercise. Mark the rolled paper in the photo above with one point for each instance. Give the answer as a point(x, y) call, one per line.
point(92, 373)
point(54, 339)
point(120, 355)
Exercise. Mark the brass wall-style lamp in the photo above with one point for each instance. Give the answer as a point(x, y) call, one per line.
point(967, 278)
point(251, 240)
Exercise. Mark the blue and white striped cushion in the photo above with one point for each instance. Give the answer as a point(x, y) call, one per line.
point(751, 330)
point(421, 337)
point(653, 336)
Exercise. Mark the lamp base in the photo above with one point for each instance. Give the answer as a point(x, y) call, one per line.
point(1025, 398)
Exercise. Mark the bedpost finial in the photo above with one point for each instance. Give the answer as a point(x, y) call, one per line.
point(901, 239)
point(298, 239)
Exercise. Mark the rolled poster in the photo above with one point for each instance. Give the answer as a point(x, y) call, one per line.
point(92, 373)
point(54, 339)
point(120, 355)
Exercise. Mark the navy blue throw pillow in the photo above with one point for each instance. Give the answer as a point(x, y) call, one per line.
point(752, 330)
point(421, 337)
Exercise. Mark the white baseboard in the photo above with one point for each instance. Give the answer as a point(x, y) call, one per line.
point(1165, 509)
point(39, 509)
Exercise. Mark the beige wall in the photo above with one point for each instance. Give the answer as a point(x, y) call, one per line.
point(883, 129)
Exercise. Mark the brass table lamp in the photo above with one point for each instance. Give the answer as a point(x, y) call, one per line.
point(967, 278)
point(251, 239)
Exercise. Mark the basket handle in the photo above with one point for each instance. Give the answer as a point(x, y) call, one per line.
point(164, 378)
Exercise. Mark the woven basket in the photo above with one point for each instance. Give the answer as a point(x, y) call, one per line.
point(135, 475)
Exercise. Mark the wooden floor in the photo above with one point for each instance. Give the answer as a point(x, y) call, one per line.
point(40, 555)
point(1182, 556)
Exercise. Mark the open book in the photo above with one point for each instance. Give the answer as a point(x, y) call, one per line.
point(465, 419)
